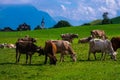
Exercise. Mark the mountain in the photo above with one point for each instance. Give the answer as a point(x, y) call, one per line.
point(14, 15)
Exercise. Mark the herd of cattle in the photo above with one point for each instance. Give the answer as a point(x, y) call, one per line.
point(98, 43)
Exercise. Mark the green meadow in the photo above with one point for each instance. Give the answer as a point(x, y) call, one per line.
point(68, 70)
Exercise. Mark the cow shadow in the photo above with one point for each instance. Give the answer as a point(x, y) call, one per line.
point(88, 60)
point(7, 63)
point(32, 64)
point(23, 64)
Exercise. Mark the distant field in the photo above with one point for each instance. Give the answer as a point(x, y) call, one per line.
point(68, 70)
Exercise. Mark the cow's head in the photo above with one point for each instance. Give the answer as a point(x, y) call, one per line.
point(40, 50)
point(73, 56)
point(113, 56)
point(53, 59)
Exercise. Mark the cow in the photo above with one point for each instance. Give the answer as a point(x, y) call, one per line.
point(115, 43)
point(69, 37)
point(27, 48)
point(3, 45)
point(50, 50)
point(103, 46)
point(98, 34)
point(10, 46)
point(85, 40)
point(62, 47)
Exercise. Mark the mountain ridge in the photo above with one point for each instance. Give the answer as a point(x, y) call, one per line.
point(14, 15)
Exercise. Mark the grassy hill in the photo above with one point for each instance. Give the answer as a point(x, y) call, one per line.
point(68, 70)
point(116, 20)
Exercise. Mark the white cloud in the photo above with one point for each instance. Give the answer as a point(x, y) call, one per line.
point(14, 1)
point(73, 9)
point(63, 7)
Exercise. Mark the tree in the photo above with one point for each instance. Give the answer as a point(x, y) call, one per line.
point(62, 23)
point(37, 28)
point(23, 27)
point(106, 20)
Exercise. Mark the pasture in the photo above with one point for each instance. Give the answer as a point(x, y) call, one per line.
point(68, 70)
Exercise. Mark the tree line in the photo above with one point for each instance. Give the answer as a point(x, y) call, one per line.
point(61, 23)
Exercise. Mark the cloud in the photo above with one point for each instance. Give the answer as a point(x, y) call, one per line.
point(63, 7)
point(14, 1)
point(73, 9)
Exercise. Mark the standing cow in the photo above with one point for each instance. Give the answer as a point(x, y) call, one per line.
point(103, 46)
point(98, 34)
point(27, 48)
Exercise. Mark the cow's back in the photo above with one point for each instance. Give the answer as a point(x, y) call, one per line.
point(24, 47)
point(61, 45)
point(115, 43)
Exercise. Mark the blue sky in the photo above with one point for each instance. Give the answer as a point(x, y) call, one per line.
point(73, 9)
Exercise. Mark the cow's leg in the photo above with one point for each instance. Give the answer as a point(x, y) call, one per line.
point(101, 56)
point(104, 56)
point(19, 57)
point(26, 58)
point(95, 56)
point(30, 58)
point(89, 56)
point(45, 59)
point(61, 58)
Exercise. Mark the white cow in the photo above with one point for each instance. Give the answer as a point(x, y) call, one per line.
point(103, 46)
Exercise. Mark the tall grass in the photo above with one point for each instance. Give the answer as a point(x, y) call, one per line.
point(68, 70)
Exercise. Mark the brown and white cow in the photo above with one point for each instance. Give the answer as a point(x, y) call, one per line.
point(27, 48)
point(50, 50)
point(103, 46)
point(10, 45)
point(59, 46)
point(64, 47)
point(98, 34)
point(69, 37)
point(115, 43)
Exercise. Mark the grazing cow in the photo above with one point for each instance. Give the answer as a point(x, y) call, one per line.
point(103, 46)
point(84, 40)
point(69, 37)
point(115, 43)
point(50, 51)
point(98, 34)
point(27, 48)
point(63, 47)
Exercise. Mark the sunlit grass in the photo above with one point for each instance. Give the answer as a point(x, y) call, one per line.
point(68, 70)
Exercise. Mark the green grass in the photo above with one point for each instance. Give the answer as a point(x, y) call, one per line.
point(68, 70)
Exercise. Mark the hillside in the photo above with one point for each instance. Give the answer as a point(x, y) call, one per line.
point(116, 20)
point(82, 69)
point(13, 15)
